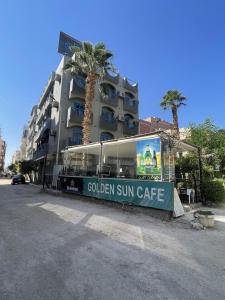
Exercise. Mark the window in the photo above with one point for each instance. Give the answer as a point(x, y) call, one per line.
point(105, 136)
point(80, 81)
point(77, 135)
point(129, 121)
point(129, 99)
point(78, 107)
point(109, 90)
point(108, 114)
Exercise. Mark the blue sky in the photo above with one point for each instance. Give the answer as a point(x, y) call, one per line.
point(162, 44)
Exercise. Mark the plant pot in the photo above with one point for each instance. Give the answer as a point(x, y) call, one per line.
point(206, 218)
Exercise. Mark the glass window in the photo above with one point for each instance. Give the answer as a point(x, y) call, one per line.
point(105, 136)
point(77, 135)
point(129, 99)
point(80, 81)
point(82, 161)
point(78, 107)
point(109, 90)
point(119, 160)
point(129, 121)
point(107, 114)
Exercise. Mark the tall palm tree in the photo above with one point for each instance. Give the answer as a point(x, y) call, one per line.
point(93, 61)
point(173, 99)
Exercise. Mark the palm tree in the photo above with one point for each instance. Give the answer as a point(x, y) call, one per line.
point(173, 99)
point(93, 61)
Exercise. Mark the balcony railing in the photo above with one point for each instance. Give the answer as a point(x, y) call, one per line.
point(74, 117)
point(111, 78)
point(113, 101)
point(130, 129)
point(108, 124)
point(130, 86)
point(130, 105)
point(41, 151)
point(47, 89)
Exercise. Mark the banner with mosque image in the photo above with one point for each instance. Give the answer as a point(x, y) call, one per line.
point(148, 155)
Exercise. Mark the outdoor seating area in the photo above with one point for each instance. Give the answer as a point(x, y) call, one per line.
point(132, 163)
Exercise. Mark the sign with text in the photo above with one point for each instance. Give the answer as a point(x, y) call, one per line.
point(137, 192)
point(66, 42)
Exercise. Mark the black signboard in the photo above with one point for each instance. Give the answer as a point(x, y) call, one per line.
point(65, 44)
point(71, 184)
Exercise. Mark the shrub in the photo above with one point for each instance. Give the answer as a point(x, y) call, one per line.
point(214, 190)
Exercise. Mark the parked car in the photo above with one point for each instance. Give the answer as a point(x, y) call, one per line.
point(18, 179)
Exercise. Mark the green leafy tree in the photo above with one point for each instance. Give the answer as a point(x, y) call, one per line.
point(15, 168)
point(173, 99)
point(93, 61)
point(211, 140)
point(28, 167)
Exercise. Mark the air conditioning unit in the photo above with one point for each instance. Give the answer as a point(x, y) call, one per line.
point(53, 132)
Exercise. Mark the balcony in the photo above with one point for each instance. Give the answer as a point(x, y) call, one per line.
point(111, 78)
point(130, 105)
point(130, 129)
point(47, 89)
point(74, 117)
point(41, 151)
point(77, 87)
point(108, 125)
point(131, 86)
point(112, 101)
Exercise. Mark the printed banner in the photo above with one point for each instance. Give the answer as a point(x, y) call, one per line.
point(148, 159)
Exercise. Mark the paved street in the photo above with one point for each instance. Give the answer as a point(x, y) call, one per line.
point(58, 248)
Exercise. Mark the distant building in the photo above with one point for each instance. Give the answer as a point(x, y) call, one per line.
point(31, 131)
point(152, 124)
point(2, 153)
point(16, 156)
point(23, 146)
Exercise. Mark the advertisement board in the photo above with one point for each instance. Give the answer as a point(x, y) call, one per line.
point(148, 156)
point(65, 44)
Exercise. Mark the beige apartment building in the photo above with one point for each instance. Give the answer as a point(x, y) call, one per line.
point(56, 122)
point(16, 157)
point(2, 154)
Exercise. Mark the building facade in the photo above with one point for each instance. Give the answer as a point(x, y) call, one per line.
point(2, 154)
point(23, 145)
point(56, 121)
point(16, 157)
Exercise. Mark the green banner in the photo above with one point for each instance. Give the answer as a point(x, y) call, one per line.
point(137, 192)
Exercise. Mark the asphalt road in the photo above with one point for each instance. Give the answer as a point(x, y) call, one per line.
point(58, 248)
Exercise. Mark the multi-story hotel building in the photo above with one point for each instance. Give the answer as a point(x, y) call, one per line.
point(2, 154)
point(56, 122)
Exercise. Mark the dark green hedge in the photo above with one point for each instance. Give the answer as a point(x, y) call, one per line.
point(214, 190)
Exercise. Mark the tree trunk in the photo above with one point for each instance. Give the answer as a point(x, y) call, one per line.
point(175, 121)
point(89, 96)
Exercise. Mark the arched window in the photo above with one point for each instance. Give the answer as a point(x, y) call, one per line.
point(78, 107)
point(79, 80)
point(77, 135)
point(129, 99)
point(107, 114)
point(105, 136)
point(108, 90)
point(129, 121)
